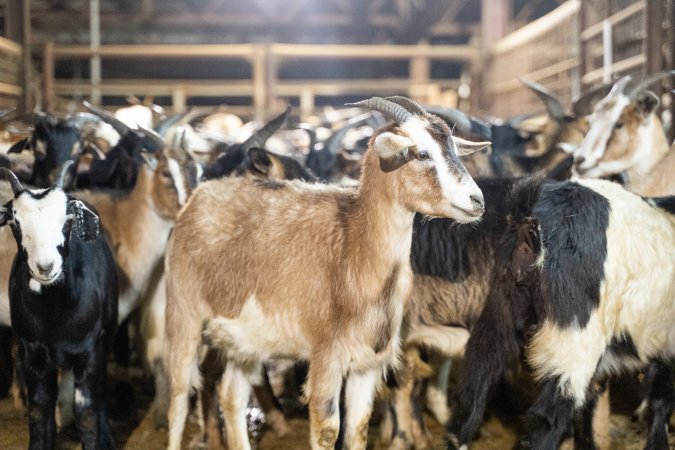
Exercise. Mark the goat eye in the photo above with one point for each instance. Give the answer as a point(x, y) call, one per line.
point(619, 124)
point(422, 156)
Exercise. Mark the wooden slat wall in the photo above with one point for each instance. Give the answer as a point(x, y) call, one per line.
point(544, 51)
point(10, 73)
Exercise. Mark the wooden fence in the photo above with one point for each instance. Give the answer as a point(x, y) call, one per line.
point(10, 73)
point(265, 87)
point(579, 45)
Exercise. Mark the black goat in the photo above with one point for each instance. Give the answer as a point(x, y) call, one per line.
point(584, 276)
point(63, 306)
point(53, 142)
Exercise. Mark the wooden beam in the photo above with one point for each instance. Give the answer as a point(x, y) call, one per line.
point(495, 21)
point(48, 76)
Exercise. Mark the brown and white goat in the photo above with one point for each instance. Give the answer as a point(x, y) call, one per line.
point(627, 137)
point(259, 269)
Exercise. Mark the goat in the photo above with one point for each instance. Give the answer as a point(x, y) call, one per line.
point(627, 137)
point(63, 304)
point(340, 308)
point(229, 158)
point(138, 224)
point(53, 142)
point(568, 284)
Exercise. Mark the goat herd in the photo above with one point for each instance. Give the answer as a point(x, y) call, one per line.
point(227, 255)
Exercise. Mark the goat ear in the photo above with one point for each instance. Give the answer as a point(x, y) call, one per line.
point(20, 146)
point(393, 150)
point(527, 246)
point(6, 215)
point(260, 160)
point(646, 102)
point(86, 221)
point(465, 147)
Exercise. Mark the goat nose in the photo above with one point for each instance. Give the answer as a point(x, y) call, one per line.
point(45, 269)
point(478, 202)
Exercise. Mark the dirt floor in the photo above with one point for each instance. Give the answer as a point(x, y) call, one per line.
point(137, 431)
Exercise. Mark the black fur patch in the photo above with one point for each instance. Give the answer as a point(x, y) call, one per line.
point(574, 221)
point(444, 249)
point(623, 345)
point(666, 203)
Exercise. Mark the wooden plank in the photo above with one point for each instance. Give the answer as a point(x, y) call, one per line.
point(614, 19)
point(10, 89)
point(48, 76)
point(444, 52)
point(654, 40)
point(536, 76)
point(618, 67)
point(534, 29)
point(11, 47)
point(156, 51)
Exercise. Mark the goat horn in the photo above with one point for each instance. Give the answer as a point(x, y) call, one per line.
point(408, 104)
point(17, 188)
point(620, 86)
point(152, 136)
point(261, 136)
point(332, 143)
point(581, 105)
point(462, 122)
point(391, 110)
point(553, 106)
point(107, 117)
point(649, 81)
point(64, 171)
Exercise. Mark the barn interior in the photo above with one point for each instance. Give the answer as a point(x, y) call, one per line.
point(254, 59)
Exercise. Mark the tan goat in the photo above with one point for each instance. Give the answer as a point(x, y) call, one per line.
point(260, 269)
point(627, 137)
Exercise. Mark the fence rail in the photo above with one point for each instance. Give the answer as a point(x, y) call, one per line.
point(266, 86)
point(10, 73)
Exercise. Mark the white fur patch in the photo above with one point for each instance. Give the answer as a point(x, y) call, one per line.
point(602, 121)
point(178, 180)
point(34, 285)
point(255, 335)
point(41, 222)
point(80, 400)
point(457, 191)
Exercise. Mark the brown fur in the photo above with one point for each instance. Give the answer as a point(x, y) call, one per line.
point(331, 263)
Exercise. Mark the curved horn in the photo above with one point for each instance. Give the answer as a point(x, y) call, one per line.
point(64, 172)
point(107, 117)
point(391, 110)
point(462, 121)
point(408, 104)
point(17, 188)
point(261, 136)
point(620, 86)
point(653, 78)
point(153, 137)
point(553, 106)
point(582, 105)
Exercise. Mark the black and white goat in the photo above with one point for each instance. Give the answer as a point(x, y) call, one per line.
point(63, 305)
point(585, 277)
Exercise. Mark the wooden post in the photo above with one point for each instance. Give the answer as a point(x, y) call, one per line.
point(306, 102)
point(495, 23)
point(420, 71)
point(48, 76)
point(259, 81)
point(17, 26)
point(179, 99)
